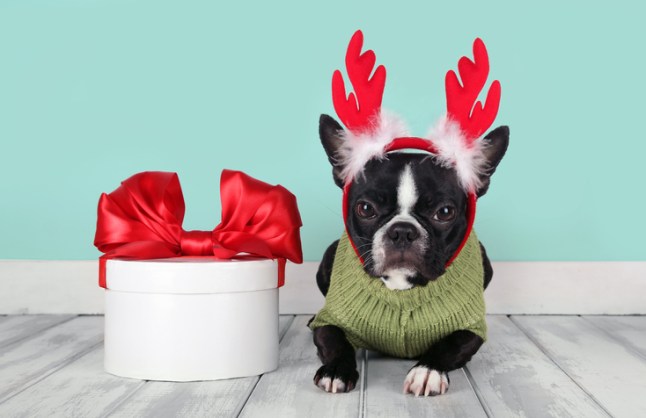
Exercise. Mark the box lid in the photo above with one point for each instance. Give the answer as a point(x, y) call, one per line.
point(192, 275)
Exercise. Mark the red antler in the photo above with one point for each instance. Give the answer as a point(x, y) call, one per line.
point(461, 100)
point(357, 112)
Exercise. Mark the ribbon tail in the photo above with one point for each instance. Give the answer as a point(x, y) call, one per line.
point(102, 265)
point(282, 262)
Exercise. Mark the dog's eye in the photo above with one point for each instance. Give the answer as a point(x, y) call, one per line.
point(365, 210)
point(445, 214)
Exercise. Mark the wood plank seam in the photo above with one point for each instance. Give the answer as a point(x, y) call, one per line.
point(474, 387)
point(125, 398)
point(246, 396)
point(363, 383)
point(627, 344)
point(557, 364)
point(284, 330)
point(64, 362)
point(8, 343)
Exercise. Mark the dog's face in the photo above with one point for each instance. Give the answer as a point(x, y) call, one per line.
point(406, 217)
point(406, 213)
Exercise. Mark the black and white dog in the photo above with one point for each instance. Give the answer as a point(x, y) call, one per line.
point(407, 214)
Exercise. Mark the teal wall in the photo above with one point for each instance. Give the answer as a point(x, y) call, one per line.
point(94, 91)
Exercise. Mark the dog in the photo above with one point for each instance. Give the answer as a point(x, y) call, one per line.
point(406, 218)
point(408, 213)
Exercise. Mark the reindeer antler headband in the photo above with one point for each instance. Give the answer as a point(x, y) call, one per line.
point(455, 140)
point(372, 132)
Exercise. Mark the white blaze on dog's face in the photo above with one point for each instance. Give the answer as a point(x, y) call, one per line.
point(393, 239)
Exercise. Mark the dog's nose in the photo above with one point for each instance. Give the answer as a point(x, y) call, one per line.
point(402, 234)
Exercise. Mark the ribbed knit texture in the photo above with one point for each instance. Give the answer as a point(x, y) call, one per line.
point(404, 323)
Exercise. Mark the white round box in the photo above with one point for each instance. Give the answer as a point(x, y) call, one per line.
point(191, 318)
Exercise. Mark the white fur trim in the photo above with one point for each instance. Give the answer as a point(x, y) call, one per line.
point(357, 150)
point(453, 152)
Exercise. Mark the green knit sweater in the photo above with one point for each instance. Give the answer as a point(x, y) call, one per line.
point(404, 323)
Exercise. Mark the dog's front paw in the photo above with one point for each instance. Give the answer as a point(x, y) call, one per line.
point(336, 378)
point(422, 380)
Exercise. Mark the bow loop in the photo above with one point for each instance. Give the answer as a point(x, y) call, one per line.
point(258, 218)
point(142, 219)
point(148, 206)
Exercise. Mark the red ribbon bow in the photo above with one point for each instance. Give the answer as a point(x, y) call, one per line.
point(142, 219)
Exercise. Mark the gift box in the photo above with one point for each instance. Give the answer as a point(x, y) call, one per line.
point(193, 305)
point(185, 319)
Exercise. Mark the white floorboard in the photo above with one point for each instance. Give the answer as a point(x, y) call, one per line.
point(629, 330)
point(15, 328)
point(513, 377)
point(81, 389)
point(610, 372)
point(384, 396)
point(31, 359)
point(531, 366)
point(289, 392)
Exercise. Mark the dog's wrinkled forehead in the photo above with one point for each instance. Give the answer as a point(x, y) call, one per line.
point(386, 176)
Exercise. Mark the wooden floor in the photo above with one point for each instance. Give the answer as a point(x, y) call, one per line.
point(539, 366)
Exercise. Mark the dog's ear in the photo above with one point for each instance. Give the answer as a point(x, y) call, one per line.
point(495, 146)
point(331, 134)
